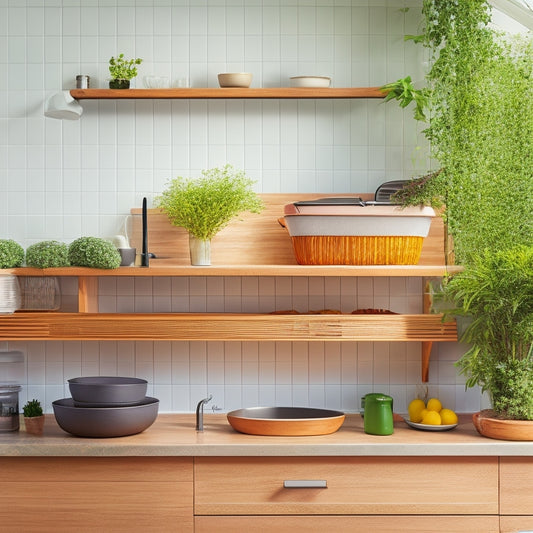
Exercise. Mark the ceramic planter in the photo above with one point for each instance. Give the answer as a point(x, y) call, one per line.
point(34, 425)
point(200, 251)
point(495, 428)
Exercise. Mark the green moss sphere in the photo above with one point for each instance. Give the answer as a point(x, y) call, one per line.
point(93, 252)
point(47, 254)
point(11, 254)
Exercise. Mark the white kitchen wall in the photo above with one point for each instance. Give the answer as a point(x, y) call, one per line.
point(64, 179)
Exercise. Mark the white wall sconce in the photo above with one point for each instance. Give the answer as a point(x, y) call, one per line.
point(61, 105)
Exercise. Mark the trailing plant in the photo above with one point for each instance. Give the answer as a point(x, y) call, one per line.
point(496, 292)
point(47, 254)
point(205, 205)
point(11, 254)
point(32, 409)
point(480, 112)
point(123, 69)
point(93, 252)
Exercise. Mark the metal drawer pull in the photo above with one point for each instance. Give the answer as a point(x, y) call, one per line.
point(305, 484)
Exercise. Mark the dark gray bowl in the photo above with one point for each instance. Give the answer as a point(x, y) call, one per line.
point(103, 391)
point(105, 421)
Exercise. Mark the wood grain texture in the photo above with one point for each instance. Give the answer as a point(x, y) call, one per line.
point(516, 487)
point(225, 326)
point(385, 485)
point(229, 93)
point(514, 524)
point(348, 524)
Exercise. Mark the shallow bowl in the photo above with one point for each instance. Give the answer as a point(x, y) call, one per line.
point(285, 421)
point(107, 390)
point(103, 422)
point(235, 79)
point(310, 81)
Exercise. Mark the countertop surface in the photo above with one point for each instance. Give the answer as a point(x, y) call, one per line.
point(175, 435)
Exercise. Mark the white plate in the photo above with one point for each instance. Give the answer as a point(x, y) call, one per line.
point(428, 427)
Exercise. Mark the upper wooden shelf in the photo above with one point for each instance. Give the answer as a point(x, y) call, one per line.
point(225, 93)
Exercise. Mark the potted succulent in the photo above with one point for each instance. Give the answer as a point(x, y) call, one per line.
point(205, 205)
point(93, 252)
point(33, 417)
point(122, 71)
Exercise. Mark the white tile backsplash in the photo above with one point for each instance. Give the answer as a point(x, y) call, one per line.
point(61, 180)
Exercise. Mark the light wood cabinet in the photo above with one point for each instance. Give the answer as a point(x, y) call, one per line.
point(111, 494)
point(516, 488)
point(380, 494)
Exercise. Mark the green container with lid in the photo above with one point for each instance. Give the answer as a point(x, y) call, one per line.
point(378, 414)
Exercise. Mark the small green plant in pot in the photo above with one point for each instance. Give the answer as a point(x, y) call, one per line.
point(122, 71)
point(33, 417)
point(205, 205)
point(496, 292)
point(11, 254)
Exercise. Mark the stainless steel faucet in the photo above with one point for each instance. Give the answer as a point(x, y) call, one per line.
point(200, 413)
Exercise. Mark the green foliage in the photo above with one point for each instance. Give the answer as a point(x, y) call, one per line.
point(480, 108)
point(11, 254)
point(496, 292)
point(93, 252)
point(47, 254)
point(404, 92)
point(32, 408)
point(123, 69)
point(206, 205)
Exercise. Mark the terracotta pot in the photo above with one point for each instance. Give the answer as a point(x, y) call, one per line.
point(34, 425)
point(496, 428)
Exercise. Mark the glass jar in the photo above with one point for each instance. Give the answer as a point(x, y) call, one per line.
point(9, 407)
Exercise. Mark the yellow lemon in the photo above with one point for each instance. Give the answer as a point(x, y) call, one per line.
point(423, 413)
point(432, 418)
point(415, 410)
point(434, 405)
point(447, 416)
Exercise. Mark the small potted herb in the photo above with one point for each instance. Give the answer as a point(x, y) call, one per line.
point(122, 71)
point(11, 254)
point(47, 254)
point(93, 252)
point(33, 417)
point(205, 205)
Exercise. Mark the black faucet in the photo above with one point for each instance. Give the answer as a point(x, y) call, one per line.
point(200, 413)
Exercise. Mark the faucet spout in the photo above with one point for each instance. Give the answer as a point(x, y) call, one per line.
point(200, 413)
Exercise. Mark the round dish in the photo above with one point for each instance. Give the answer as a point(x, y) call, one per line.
point(309, 81)
point(428, 427)
point(235, 79)
point(104, 422)
point(107, 390)
point(285, 421)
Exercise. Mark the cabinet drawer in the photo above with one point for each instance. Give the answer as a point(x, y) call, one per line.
point(516, 486)
point(355, 485)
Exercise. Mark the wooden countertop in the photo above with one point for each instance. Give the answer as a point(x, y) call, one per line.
point(175, 435)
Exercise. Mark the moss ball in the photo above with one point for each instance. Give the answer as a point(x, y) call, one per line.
point(11, 254)
point(47, 254)
point(93, 252)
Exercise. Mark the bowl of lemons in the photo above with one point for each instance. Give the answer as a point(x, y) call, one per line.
point(430, 416)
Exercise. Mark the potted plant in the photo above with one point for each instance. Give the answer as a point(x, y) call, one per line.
point(33, 417)
point(47, 254)
point(205, 205)
point(93, 252)
point(11, 254)
point(122, 71)
point(496, 293)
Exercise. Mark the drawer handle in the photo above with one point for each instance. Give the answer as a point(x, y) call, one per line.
point(305, 484)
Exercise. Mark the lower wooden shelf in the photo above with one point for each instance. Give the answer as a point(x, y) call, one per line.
point(225, 327)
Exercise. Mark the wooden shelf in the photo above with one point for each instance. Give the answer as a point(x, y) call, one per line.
point(224, 327)
point(226, 93)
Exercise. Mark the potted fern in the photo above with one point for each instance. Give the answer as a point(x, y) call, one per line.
point(205, 205)
point(33, 417)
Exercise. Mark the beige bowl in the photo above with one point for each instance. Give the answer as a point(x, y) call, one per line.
point(309, 81)
point(235, 79)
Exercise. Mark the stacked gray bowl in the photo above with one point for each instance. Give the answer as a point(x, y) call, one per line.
point(106, 406)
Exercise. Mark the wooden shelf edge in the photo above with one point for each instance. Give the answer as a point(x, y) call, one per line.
point(226, 93)
point(225, 327)
point(157, 269)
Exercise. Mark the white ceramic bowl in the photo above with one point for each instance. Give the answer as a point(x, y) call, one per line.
point(156, 82)
point(310, 81)
point(235, 79)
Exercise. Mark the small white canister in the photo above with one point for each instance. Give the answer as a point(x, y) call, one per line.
point(9, 407)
